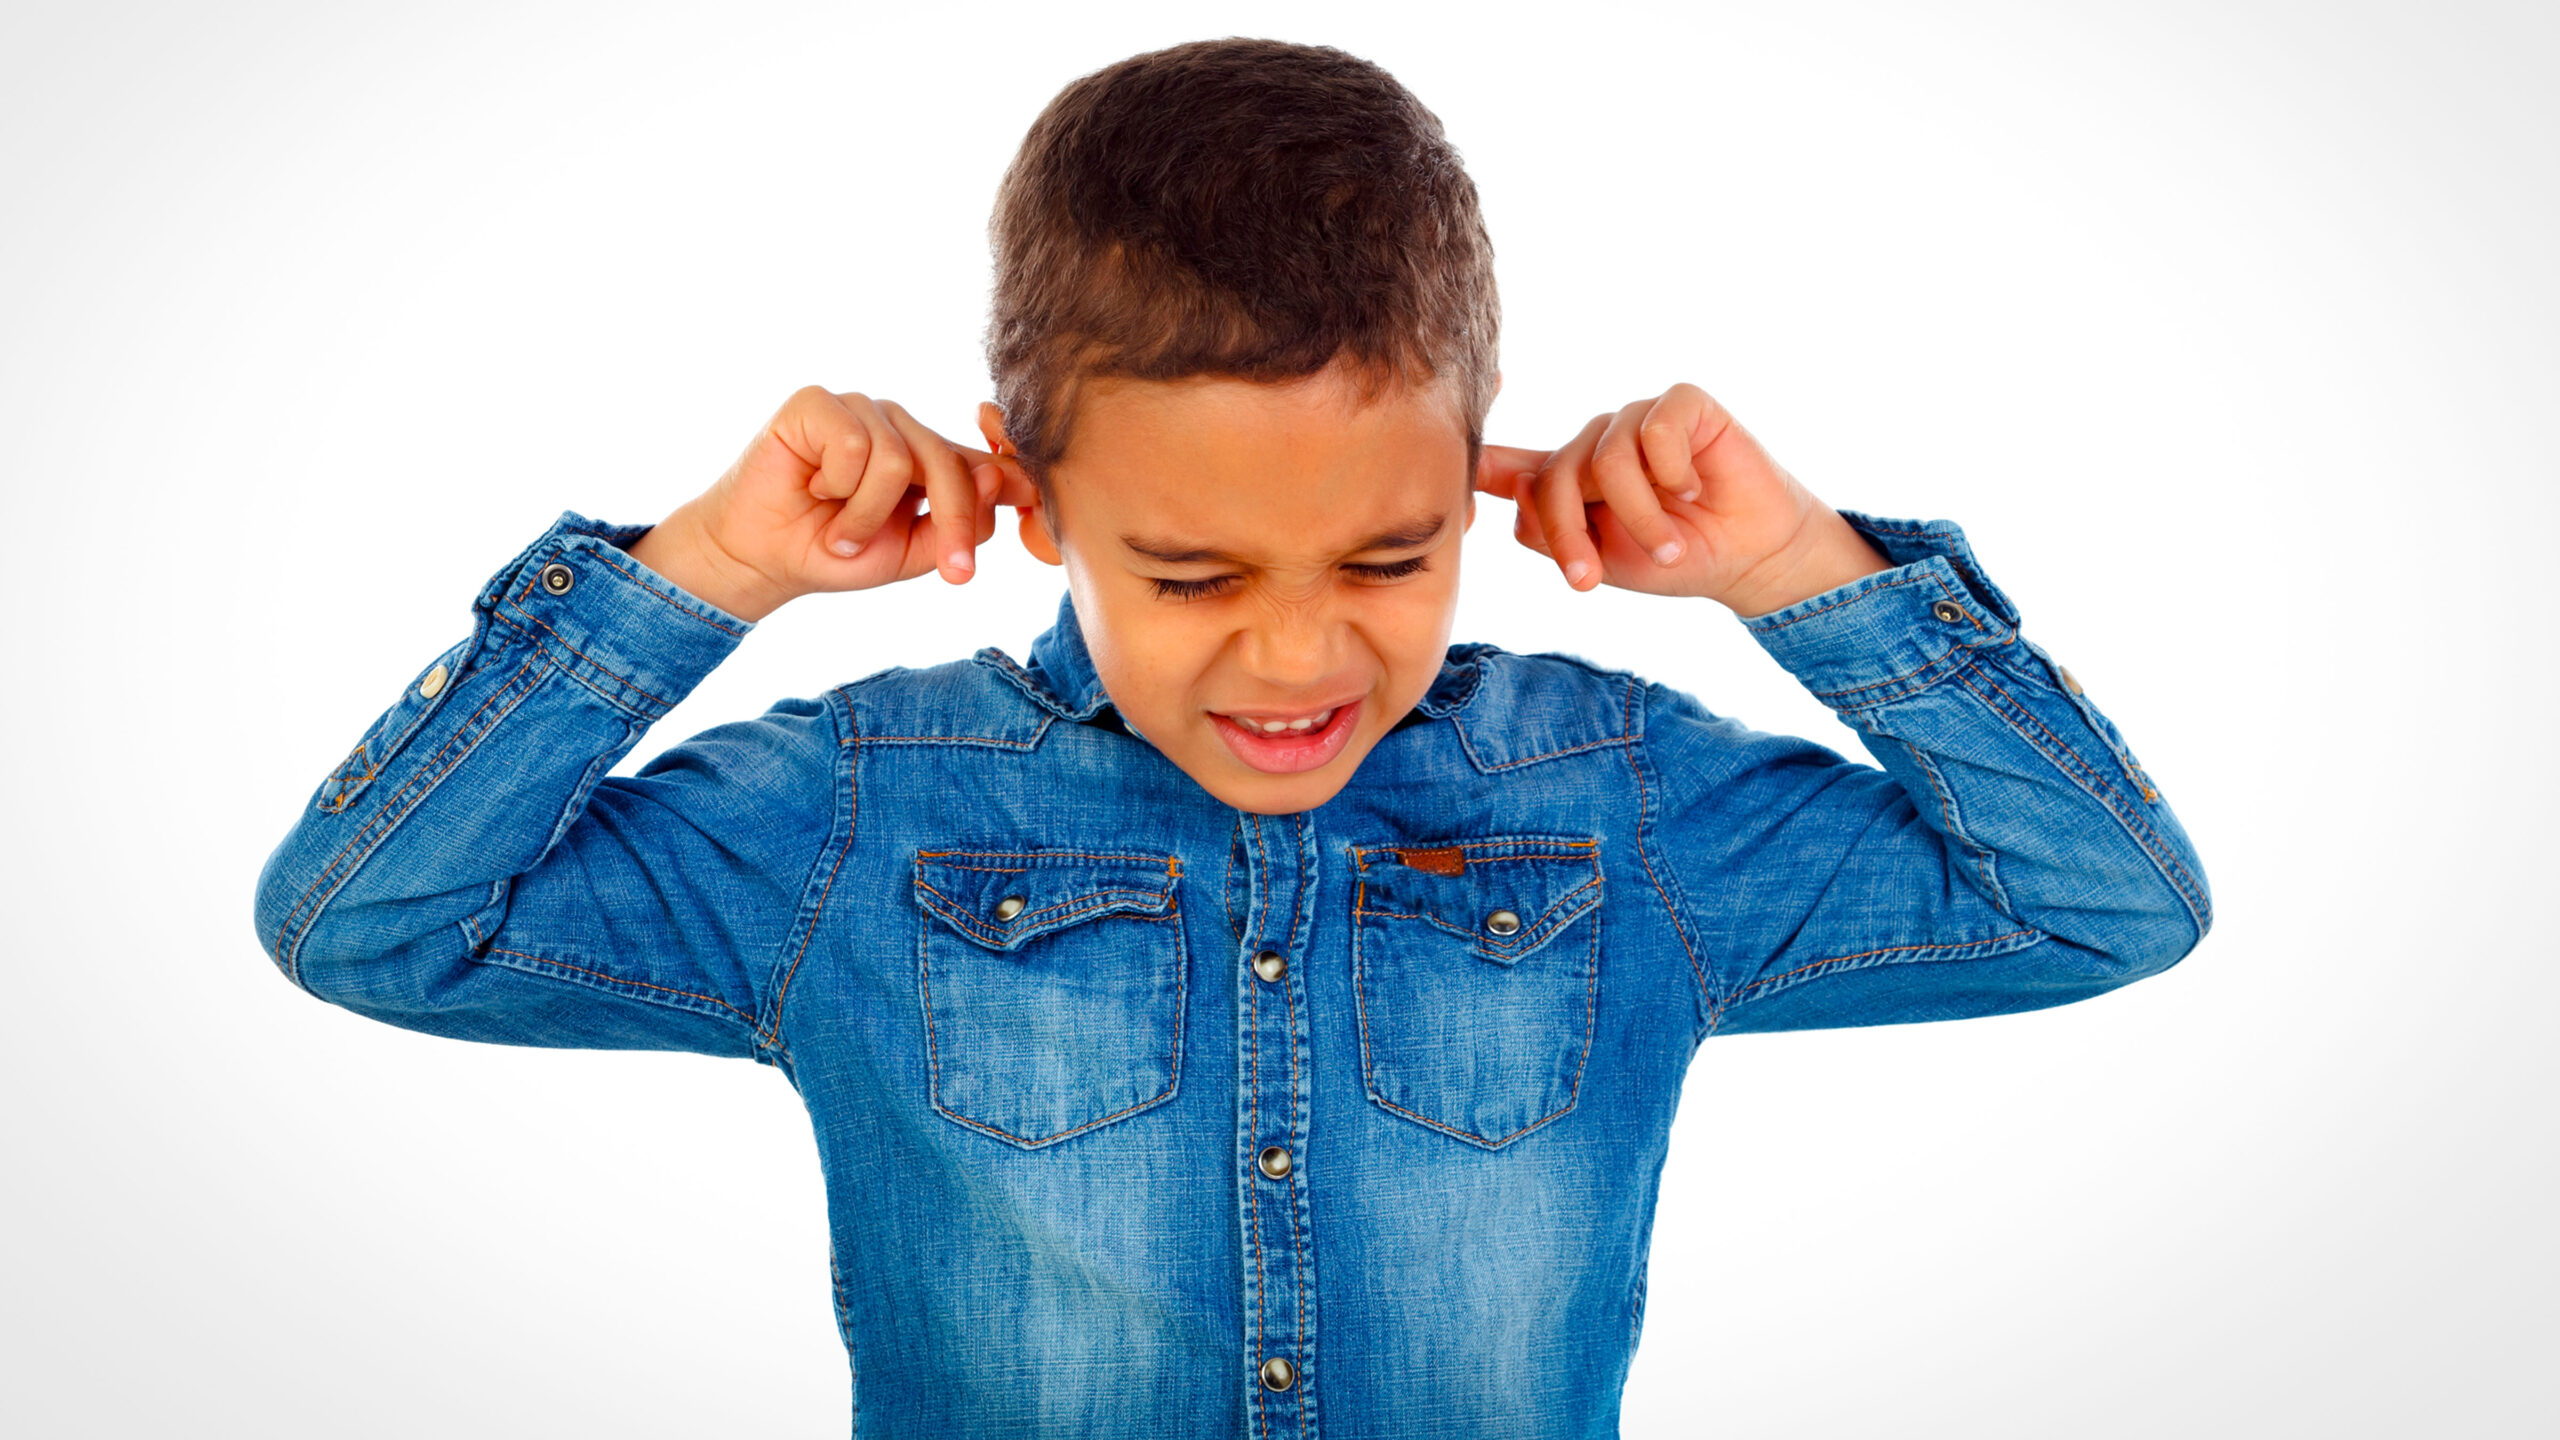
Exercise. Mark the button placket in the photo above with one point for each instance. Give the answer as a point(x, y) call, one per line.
point(1277, 856)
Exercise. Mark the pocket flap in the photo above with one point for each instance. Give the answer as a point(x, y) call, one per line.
point(1508, 895)
point(1001, 898)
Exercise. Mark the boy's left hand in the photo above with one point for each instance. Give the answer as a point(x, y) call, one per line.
point(1677, 476)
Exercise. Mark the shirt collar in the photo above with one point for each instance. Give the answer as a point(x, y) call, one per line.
point(1060, 678)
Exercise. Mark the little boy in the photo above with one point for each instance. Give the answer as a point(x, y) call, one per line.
point(1251, 1013)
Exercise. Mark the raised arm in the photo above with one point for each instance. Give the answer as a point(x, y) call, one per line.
point(470, 869)
point(2010, 854)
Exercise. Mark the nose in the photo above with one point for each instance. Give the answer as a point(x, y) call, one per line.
point(1292, 647)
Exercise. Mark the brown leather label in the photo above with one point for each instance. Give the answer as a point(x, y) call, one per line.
point(1440, 860)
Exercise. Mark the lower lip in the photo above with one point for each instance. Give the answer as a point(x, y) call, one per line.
point(1290, 751)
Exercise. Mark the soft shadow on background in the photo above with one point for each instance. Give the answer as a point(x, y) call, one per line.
point(2227, 331)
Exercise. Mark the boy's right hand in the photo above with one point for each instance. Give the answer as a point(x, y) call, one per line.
point(831, 473)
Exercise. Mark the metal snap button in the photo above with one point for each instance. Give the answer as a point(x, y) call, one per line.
point(1278, 1373)
point(1502, 922)
point(1275, 1162)
point(557, 578)
point(1270, 964)
point(433, 685)
point(1948, 610)
point(1008, 907)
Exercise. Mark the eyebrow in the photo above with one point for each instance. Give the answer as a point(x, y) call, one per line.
point(1172, 552)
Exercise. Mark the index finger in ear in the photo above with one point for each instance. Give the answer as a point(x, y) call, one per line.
point(1501, 468)
point(1013, 483)
point(948, 490)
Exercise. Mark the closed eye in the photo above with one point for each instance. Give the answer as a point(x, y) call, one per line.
point(1201, 589)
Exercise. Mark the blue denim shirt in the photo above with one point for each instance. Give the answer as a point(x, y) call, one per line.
point(1142, 1115)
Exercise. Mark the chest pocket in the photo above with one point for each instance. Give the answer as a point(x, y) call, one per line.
point(1051, 982)
point(1476, 968)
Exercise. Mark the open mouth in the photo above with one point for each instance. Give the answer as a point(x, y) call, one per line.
point(1306, 743)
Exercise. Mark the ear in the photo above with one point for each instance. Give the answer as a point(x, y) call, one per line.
point(1035, 534)
point(991, 425)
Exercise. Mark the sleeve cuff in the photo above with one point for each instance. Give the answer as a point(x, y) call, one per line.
point(1892, 634)
point(618, 627)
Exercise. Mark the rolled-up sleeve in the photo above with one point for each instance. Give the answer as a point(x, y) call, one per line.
point(2010, 853)
point(469, 868)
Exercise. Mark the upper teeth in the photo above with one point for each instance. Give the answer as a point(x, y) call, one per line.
point(1274, 727)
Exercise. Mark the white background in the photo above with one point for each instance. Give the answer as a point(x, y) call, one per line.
point(2227, 331)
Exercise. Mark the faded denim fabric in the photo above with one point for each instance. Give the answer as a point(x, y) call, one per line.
point(1124, 1095)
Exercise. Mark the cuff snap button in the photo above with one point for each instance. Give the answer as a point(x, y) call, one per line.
point(557, 578)
point(1948, 610)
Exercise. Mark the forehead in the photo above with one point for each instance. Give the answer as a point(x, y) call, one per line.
point(1260, 470)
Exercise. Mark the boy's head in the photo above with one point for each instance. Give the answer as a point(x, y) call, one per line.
point(1244, 304)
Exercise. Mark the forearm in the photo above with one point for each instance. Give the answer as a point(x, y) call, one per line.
point(2044, 810)
point(687, 553)
point(472, 777)
point(1825, 553)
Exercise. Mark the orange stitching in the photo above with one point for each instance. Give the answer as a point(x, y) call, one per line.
point(921, 884)
point(1591, 993)
point(1954, 829)
point(969, 924)
point(725, 629)
point(2136, 827)
point(1671, 912)
point(609, 672)
point(1827, 696)
point(853, 796)
point(970, 739)
point(514, 690)
point(619, 980)
point(1364, 851)
point(1297, 1138)
point(2123, 762)
point(349, 784)
point(1887, 950)
point(1564, 750)
point(933, 1052)
point(1040, 854)
point(1253, 1192)
point(1030, 1143)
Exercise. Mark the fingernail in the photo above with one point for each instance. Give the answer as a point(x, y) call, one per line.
point(1689, 494)
point(960, 561)
point(1666, 552)
point(845, 548)
point(1574, 572)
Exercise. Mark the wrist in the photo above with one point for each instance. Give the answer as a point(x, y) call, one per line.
point(684, 553)
point(1824, 554)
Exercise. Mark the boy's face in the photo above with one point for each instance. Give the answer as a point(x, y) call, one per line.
point(1328, 579)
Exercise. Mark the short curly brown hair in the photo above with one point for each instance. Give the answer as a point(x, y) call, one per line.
point(1244, 208)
